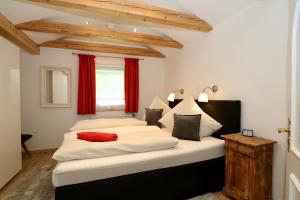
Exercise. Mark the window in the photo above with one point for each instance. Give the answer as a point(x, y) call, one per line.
point(109, 88)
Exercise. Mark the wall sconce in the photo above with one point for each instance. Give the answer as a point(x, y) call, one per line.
point(203, 97)
point(171, 96)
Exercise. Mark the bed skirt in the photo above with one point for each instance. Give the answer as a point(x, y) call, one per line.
point(179, 182)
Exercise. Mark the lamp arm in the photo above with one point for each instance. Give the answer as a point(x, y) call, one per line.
point(181, 91)
point(214, 88)
point(206, 88)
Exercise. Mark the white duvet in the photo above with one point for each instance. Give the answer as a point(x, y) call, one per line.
point(131, 139)
point(92, 124)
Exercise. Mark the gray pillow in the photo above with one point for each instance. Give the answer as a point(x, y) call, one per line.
point(152, 116)
point(186, 127)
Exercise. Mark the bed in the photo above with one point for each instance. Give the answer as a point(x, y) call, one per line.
point(190, 169)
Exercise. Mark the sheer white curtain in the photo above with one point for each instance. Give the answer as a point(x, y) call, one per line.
point(109, 88)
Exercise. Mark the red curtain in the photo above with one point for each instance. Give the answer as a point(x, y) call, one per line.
point(86, 85)
point(131, 85)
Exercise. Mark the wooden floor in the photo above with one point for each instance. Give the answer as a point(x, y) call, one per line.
point(40, 158)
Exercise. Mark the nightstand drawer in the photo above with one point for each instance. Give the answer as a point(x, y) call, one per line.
point(242, 148)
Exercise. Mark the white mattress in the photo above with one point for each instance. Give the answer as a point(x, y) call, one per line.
point(80, 171)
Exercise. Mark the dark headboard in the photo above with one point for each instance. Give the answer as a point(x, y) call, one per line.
point(227, 112)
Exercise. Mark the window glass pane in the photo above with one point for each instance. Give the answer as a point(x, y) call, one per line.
point(110, 86)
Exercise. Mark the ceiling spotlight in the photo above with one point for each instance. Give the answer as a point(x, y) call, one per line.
point(135, 30)
point(86, 23)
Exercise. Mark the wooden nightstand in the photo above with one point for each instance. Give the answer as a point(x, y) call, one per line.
point(248, 173)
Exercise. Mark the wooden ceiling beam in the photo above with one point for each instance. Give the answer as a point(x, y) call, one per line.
point(19, 38)
point(105, 48)
point(90, 32)
point(135, 10)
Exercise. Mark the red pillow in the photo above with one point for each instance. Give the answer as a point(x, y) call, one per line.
point(97, 136)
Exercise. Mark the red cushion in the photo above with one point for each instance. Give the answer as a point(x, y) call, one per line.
point(97, 136)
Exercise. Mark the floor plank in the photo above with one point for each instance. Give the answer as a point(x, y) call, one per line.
point(41, 158)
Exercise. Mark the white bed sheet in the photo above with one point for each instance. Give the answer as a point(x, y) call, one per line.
point(80, 171)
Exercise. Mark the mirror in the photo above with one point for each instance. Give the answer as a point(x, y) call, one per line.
point(55, 87)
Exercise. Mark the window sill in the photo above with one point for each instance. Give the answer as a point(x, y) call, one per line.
point(106, 108)
point(111, 114)
point(110, 110)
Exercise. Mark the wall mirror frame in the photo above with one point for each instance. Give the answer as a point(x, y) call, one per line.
point(56, 87)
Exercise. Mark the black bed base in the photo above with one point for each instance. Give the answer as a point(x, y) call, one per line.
point(180, 182)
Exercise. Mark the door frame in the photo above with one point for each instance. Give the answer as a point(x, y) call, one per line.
point(292, 183)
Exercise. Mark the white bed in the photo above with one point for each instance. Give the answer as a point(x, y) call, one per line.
point(186, 152)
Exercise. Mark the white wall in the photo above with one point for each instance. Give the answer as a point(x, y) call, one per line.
point(246, 56)
point(49, 124)
point(10, 125)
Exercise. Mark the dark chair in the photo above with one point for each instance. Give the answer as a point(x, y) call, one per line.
point(24, 138)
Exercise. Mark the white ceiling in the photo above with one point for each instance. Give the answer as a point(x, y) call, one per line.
point(213, 11)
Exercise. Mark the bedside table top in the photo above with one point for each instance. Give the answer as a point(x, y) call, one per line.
point(251, 141)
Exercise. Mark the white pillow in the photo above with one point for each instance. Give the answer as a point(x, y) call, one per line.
point(106, 123)
point(157, 103)
point(188, 106)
